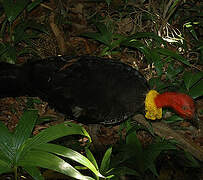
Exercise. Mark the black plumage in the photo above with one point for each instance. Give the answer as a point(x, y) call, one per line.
point(89, 89)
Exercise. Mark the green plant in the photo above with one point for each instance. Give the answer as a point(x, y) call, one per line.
point(105, 167)
point(17, 32)
point(134, 159)
point(19, 150)
point(107, 37)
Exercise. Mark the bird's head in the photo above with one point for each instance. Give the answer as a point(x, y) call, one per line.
point(182, 104)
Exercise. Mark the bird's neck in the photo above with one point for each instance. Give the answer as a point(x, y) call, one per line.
point(167, 99)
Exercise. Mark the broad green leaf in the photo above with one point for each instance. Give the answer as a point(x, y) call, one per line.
point(69, 153)
point(34, 172)
point(132, 140)
point(108, 2)
point(153, 151)
point(122, 170)
point(192, 162)
point(172, 72)
point(101, 28)
point(135, 148)
point(3, 48)
point(197, 90)
point(105, 51)
point(14, 8)
point(138, 45)
point(25, 127)
point(173, 119)
point(5, 164)
point(20, 33)
point(6, 143)
point(5, 169)
point(10, 55)
point(106, 34)
point(105, 164)
point(156, 83)
point(191, 78)
point(157, 62)
point(91, 157)
point(153, 169)
point(27, 50)
point(98, 37)
point(149, 35)
point(6, 159)
point(172, 54)
point(117, 39)
point(34, 4)
point(54, 132)
point(52, 162)
point(3, 28)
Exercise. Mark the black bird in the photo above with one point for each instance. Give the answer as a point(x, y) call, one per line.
point(90, 89)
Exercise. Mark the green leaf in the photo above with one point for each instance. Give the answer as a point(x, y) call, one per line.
point(3, 48)
point(3, 28)
point(172, 54)
point(91, 157)
point(34, 172)
point(10, 55)
point(20, 33)
point(6, 159)
point(14, 8)
point(54, 132)
point(98, 37)
point(135, 148)
point(117, 39)
point(69, 153)
point(27, 50)
point(153, 151)
point(156, 83)
point(192, 162)
point(173, 119)
point(138, 45)
point(172, 72)
point(157, 62)
point(5, 163)
point(108, 2)
point(52, 162)
point(34, 4)
point(4, 169)
point(105, 164)
point(120, 171)
point(132, 140)
point(190, 78)
point(6, 143)
point(24, 127)
point(197, 90)
point(153, 169)
point(149, 35)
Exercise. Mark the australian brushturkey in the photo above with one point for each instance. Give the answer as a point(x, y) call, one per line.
point(90, 89)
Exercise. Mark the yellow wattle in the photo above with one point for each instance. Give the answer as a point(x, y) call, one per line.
point(152, 112)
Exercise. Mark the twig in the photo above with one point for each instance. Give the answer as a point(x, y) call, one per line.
point(58, 34)
point(164, 130)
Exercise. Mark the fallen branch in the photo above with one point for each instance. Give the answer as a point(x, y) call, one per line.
point(163, 130)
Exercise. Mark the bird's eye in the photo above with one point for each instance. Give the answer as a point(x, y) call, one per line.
point(184, 108)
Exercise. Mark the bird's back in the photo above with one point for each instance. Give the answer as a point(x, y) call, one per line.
point(96, 89)
point(90, 89)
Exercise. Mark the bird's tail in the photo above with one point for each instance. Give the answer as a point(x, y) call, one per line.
point(13, 80)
